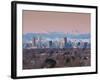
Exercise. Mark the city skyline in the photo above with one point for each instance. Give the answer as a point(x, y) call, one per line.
point(55, 40)
point(43, 22)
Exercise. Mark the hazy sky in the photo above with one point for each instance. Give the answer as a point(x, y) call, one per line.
point(42, 22)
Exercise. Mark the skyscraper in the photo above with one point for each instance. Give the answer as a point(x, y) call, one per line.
point(34, 41)
point(65, 41)
point(50, 44)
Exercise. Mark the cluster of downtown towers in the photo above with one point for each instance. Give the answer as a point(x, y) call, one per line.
point(57, 43)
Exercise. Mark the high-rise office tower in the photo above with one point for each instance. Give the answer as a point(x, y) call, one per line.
point(65, 41)
point(40, 42)
point(34, 41)
point(50, 44)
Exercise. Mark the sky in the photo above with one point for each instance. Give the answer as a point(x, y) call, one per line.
point(46, 21)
